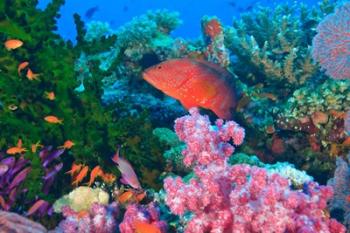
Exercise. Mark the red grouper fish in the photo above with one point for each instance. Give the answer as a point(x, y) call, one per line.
point(195, 83)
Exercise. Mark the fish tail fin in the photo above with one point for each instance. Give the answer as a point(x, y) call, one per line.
point(115, 157)
point(76, 182)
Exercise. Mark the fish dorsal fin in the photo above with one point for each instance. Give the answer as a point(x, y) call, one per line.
point(215, 68)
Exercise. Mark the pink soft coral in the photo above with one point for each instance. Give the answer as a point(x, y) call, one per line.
point(331, 46)
point(145, 214)
point(241, 198)
point(207, 143)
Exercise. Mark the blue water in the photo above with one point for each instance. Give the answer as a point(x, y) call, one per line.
point(118, 12)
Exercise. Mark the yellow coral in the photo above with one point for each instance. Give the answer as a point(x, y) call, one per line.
point(82, 198)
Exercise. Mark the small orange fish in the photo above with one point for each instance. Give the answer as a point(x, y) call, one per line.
point(75, 169)
point(35, 146)
point(21, 67)
point(67, 145)
point(97, 171)
point(139, 197)
point(143, 227)
point(80, 176)
point(82, 214)
point(195, 83)
point(13, 44)
point(50, 95)
point(32, 76)
point(16, 149)
point(125, 197)
point(108, 178)
point(53, 120)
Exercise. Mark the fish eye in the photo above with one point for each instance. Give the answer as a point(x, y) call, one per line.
point(159, 67)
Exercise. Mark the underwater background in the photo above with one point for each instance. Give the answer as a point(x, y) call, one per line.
point(155, 116)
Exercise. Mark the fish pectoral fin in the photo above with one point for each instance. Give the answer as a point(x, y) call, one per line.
point(188, 105)
point(223, 113)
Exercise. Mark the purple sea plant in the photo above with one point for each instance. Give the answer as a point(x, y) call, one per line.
point(14, 172)
point(48, 157)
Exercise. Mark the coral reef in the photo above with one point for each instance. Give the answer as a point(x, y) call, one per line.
point(331, 44)
point(88, 99)
point(207, 195)
point(142, 214)
point(99, 218)
point(286, 101)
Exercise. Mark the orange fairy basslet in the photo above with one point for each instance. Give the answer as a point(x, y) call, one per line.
point(80, 176)
point(13, 44)
point(143, 227)
point(108, 178)
point(125, 197)
point(97, 171)
point(195, 83)
point(53, 120)
point(75, 169)
point(16, 149)
point(32, 76)
point(35, 146)
point(50, 95)
point(21, 67)
point(67, 144)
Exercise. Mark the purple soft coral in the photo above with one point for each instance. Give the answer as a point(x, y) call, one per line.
point(241, 198)
point(99, 218)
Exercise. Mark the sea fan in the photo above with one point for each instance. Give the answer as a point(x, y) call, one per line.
point(331, 46)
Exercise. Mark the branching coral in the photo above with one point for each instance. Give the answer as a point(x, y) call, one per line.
point(275, 44)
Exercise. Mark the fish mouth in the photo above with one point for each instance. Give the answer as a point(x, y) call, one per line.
point(147, 77)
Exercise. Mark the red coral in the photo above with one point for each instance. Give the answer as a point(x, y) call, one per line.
point(331, 46)
point(213, 28)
